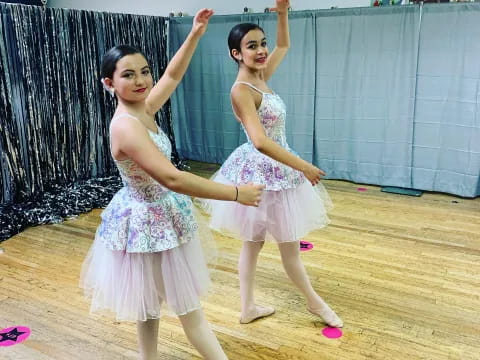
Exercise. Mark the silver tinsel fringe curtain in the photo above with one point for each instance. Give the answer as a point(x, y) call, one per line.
point(54, 114)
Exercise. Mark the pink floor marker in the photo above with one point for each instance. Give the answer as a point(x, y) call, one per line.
point(332, 333)
point(362, 189)
point(14, 335)
point(305, 245)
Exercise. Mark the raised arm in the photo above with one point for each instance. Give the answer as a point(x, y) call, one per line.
point(178, 65)
point(244, 107)
point(132, 140)
point(283, 39)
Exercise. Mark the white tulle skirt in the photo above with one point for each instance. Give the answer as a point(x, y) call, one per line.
point(134, 285)
point(285, 215)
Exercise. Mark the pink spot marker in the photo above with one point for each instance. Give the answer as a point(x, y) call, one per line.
point(305, 245)
point(332, 333)
point(14, 335)
point(361, 189)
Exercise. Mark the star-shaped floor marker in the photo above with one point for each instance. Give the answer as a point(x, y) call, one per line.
point(13, 335)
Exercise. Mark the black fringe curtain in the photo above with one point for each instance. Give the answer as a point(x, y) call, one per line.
point(54, 114)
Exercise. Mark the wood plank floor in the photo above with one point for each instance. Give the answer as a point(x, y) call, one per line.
point(403, 273)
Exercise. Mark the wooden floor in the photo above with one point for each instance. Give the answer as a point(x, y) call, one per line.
point(403, 273)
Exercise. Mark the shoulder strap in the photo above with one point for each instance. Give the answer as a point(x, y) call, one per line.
point(127, 115)
point(248, 84)
point(122, 115)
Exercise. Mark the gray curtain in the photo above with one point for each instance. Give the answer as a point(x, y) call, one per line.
point(446, 146)
point(386, 96)
point(366, 65)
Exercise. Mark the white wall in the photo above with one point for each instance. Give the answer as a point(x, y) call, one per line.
point(221, 7)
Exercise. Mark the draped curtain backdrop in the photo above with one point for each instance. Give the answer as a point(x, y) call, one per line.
point(366, 63)
point(386, 96)
point(446, 151)
point(54, 113)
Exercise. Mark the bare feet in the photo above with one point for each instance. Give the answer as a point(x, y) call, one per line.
point(256, 313)
point(326, 313)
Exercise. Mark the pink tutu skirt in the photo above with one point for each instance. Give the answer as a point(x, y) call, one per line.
point(134, 285)
point(283, 215)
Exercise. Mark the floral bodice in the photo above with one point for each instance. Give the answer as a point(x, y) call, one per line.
point(246, 164)
point(142, 186)
point(145, 216)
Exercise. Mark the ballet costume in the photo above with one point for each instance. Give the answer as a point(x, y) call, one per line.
point(290, 207)
point(147, 249)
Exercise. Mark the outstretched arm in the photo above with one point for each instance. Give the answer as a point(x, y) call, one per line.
point(133, 141)
point(283, 39)
point(179, 63)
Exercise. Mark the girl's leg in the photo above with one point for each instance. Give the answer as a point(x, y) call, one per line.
point(201, 336)
point(290, 252)
point(247, 266)
point(147, 338)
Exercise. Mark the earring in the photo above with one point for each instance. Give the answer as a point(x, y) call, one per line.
point(110, 90)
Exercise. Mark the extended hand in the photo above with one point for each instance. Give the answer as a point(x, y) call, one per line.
point(313, 174)
point(200, 21)
point(250, 194)
point(282, 6)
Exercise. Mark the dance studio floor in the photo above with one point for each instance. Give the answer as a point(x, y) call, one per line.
point(403, 273)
